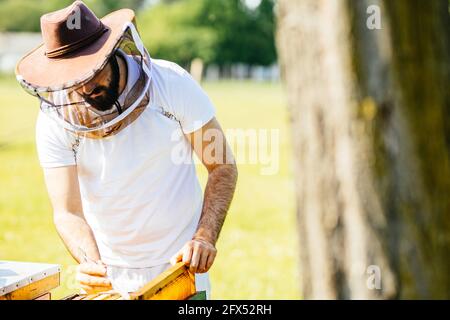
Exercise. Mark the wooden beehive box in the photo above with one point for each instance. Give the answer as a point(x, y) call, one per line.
point(27, 281)
point(176, 283)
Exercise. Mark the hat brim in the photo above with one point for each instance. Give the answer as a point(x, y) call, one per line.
point(40, 71)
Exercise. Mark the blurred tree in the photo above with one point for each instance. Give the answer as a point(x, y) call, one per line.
point(220, 31)
point(243, 35)
point(370, 117)
point(103, 7)
point(25, 15)
point(172, 32)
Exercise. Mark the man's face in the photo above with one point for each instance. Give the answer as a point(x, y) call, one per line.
point(103, 90)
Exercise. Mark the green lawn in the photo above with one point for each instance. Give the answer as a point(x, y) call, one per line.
point(257, 250)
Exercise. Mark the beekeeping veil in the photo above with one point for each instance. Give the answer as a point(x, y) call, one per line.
point(77, 46)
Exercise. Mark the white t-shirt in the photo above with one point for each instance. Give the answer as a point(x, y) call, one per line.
point(141, 204)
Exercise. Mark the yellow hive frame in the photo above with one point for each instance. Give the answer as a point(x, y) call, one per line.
point(176, 283)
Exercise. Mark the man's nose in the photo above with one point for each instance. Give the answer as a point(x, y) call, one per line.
point(88, 88)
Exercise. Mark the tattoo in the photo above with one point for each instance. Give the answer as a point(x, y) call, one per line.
point(218, 195)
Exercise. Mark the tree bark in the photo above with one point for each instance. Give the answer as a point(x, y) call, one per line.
point(370, 117)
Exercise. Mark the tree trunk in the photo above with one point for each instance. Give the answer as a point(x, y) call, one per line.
point(370, 112)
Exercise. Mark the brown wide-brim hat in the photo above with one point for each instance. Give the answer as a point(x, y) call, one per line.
point(75, 42)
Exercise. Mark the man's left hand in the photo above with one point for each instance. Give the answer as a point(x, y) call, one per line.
point(198, 254)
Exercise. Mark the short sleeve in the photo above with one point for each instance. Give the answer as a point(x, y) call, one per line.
point(53, 147)
point(189, 102)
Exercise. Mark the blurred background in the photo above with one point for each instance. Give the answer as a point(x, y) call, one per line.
point(230, 45)
point(357, 92)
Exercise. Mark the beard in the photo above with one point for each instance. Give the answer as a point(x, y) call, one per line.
point(110, 94)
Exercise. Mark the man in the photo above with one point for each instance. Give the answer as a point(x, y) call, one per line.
point(115, 136)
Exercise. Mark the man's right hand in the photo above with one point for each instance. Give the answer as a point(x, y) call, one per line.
point(92, 278)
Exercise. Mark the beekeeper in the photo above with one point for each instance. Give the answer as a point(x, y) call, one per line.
point(115, 135)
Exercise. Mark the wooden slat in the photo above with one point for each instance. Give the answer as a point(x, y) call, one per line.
point(90, 296)
point(45, 296)
point(105, 296)
point(114, 297)
point(108, 295)
point(33, 290)
point(73, 296)
point(180, 288)
point(154, 289)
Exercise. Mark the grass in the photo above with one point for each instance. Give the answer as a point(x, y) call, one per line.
point(257, 250)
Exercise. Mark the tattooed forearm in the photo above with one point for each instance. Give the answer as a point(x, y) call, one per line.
point(218, 195)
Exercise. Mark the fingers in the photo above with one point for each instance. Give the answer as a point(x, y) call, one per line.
point(176, 257)
point(205, 261)
point(202, 263)
point(187, 253)
point(93, 281)
point(95, 269)
point(92, 277)
point(197, 254)
point(92, 289)
point(209, 262)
